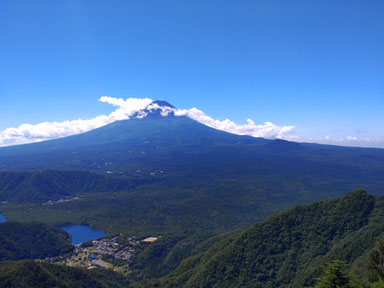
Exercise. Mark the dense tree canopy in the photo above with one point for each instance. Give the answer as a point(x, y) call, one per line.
point(288, 249)
point(32, 241)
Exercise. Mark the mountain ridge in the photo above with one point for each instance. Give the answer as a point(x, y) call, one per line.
point(41, 186)
point(288, 249)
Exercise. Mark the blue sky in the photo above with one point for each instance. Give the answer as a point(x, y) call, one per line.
point(316, 65)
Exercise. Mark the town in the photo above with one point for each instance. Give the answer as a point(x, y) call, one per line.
point(70, 199)
point(106, 253)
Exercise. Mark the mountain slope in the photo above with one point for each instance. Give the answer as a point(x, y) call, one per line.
point(32, 241)
point(288, 249)
point(118, 142)
point(41, 186)
point(177, 148)
point(31, 274)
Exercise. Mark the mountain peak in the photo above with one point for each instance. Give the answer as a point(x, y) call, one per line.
point(156, 109)
point(162, 103)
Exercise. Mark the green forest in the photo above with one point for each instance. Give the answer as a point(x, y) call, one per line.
point(291, 248)
point(32, 274)
point(32, 241)
point(333, 243)
point(44, 185)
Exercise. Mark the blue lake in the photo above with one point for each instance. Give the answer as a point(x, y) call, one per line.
point(82, 233)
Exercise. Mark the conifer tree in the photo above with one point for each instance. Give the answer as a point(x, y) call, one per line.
point(336, 275)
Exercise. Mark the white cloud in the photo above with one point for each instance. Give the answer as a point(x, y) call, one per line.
point(27, 133)
point(126, 108)
point(266, 130)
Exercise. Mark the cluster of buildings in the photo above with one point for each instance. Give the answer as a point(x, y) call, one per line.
point(51, 202)
point(112, 247)
point(92, 255)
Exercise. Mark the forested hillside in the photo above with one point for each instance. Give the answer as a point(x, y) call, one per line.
point(32, 274)
point(288, 249)
point(32, 241)
point(40, 186)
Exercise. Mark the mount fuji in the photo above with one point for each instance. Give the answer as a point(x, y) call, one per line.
point(157, 146)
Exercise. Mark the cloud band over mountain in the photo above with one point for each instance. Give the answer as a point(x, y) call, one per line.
point(125, 109)
point(135, 107)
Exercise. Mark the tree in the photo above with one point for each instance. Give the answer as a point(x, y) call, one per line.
point(376, 259)
point(336, 275)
